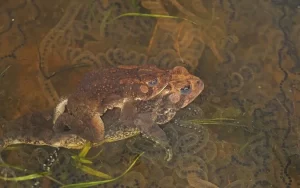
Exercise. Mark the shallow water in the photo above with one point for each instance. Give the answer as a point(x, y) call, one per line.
point(246, 52)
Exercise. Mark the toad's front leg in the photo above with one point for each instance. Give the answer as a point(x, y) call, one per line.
point(149, 129)
point(119, 123)
point(120, 131)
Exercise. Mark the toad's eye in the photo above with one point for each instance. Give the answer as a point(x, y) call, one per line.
point(185, 90)
point(153, 83)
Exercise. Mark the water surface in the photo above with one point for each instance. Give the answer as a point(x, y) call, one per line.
point(246, 52)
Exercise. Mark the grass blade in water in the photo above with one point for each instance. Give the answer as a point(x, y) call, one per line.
point(94, 183)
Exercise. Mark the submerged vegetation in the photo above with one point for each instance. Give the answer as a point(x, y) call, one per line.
point(81, 163)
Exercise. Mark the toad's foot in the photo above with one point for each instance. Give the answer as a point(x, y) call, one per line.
point(152, 131)
point(169, 152)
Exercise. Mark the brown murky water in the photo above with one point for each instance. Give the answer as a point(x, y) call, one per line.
point(246, 52)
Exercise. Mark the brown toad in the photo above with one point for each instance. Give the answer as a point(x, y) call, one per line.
point(105, 89)
point(144, 116)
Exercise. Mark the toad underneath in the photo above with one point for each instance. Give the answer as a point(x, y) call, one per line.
point(145, 116)
point(35, 129)
point(105, 89)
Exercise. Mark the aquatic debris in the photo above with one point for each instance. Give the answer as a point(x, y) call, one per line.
point(4, 71)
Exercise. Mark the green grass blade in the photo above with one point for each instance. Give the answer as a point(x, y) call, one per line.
point(3, 72)
point(85, 161)
point(94, 183)
point(24, 178)
point(94, 157)
point(104, 21)
point(216, 119)
point(85, 150)
point(222, 119)
point(244, 147)
point(13, 167)
point(81, 160)
point(93, 172)
point(208, 121)
point(152, 15)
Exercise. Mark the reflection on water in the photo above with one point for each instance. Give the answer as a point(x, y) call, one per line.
point(246, 52)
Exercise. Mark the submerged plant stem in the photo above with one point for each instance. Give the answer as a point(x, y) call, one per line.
point(25, 178)
point(52, 179)
point(152, 15)
point(3, 72)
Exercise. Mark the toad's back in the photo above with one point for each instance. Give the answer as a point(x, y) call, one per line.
point(104, 89)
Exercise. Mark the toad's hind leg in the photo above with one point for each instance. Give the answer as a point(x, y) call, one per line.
point(152, 131)
point(90, 129)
